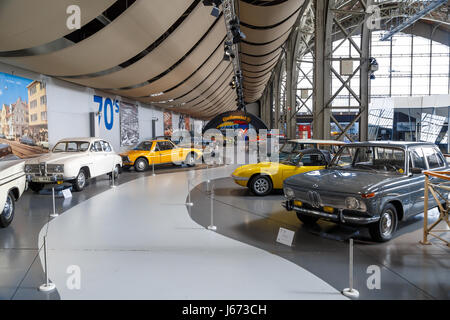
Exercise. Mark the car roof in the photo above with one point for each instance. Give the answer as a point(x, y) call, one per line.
point(317, 141)
point(398, 144)
point(88, 139)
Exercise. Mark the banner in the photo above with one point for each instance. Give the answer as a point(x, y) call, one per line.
point(23, 117)
point(129, 124)
point(168, 127)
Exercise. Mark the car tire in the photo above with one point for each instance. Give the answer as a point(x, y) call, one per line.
point(7, 215)
point(141, 165)
point(80, 180)
point(126, 168)
point(190, 160)
point(384, 229)
point(35, 186)
point(261, 185)
point(307, 220)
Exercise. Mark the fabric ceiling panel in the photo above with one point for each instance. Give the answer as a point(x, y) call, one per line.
point(202, 76)
point(257, 68)
point(260, 60)
point(262, 16)
point(184, 69)
point(140, 25)
point(219, 106)
point(264, 49)
point(212, 90)
point(223, 68)
point(172, 49)
point(250, 74)
point(214, 95)
point(268, 35)
point(25, 24)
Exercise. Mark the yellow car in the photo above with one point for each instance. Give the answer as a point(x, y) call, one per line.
point(159, 151)
point(262, 178)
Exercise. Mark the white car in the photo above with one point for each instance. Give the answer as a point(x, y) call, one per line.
point(74, 161)
point(12, 185)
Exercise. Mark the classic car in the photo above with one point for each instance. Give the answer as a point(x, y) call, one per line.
point(293, 146)
point(74, 161)
point(374, 184)
point(261, 178)
point(27, 140)
point(12, 185)
point(159, 151)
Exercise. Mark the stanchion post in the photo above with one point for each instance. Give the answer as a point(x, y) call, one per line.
point(350, 291)
point(212, 226)
point(153, 167)
point(113, 173)
point(47, 286)
point(54, 214)
point(189, 203)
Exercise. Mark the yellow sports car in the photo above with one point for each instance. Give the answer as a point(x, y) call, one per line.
point(262, 178)
point(159, 151)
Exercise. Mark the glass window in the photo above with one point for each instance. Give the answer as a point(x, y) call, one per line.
point(96, 147)
point(71, 146)
point(106, 147)
point(418, 160)
point(165, 145)
point(313, 159)
point(433, 160)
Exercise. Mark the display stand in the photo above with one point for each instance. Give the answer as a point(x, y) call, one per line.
point(54, 214)
point(153, 168)
point(436, 191)
point(113, 172)
point(189, 202)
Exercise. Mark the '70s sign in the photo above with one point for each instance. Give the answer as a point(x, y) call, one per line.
point(106, 107)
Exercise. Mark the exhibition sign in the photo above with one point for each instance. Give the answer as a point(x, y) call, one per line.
point(129, 124)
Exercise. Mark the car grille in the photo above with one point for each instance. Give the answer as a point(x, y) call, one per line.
point(125, 159)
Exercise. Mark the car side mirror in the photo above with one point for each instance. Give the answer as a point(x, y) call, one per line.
point(416, 170)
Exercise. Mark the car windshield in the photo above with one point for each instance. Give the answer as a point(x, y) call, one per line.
point(371, 158)
point(292, 159)
point(144, 146)
point(290, 147)
point(71, 146)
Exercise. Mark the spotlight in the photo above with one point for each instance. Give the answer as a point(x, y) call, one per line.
point(215, 3)
point(215, 12)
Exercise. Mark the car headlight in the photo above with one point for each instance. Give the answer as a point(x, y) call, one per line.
point(288, 192)
point(27, 168)
point(355, 204)
point(55, 168)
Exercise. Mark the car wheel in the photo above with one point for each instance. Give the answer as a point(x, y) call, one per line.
point(126, 168)
point(141, 164)
point(36, 187)
point(80, 181)
point(307, 220)
point(261, 185)
point(7, 215)
point(384, 229)
point(190, 160)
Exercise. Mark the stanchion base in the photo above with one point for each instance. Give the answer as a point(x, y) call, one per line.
point(425, 243)
point(47, 287)
point(113, 186)
point(54, 215)
point(351, 293)
point(212, 228)
point(153, 174)
point(189, 204)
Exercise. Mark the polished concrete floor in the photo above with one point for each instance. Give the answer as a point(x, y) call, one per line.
point(20, 267)
point(408, 269)
point(137, 241)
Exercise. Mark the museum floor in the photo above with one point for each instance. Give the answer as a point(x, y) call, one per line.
point(140, 241)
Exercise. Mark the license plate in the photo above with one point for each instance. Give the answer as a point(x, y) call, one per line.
point(41, 179)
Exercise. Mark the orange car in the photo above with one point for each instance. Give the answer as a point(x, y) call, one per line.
point(159, 151)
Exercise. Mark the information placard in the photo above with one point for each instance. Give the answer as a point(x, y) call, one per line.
point(285, 237)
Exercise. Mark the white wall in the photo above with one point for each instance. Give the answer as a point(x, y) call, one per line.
point(69, 106)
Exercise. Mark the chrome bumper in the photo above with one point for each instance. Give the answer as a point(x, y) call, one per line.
point(339, 218)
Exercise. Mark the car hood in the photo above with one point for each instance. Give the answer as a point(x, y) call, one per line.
point(10, 167)
point(341, 181)
point(58, 158)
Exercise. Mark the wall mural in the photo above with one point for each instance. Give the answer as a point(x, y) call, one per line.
point(23, 117)
point(129, 124)
point(168, 127)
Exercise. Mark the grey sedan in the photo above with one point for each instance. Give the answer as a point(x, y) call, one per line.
point(374, 184)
